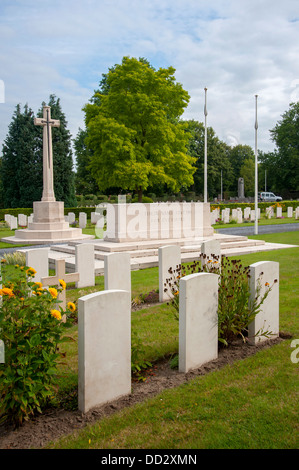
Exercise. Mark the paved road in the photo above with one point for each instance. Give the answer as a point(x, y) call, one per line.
point(278, 228)
point(228, 231)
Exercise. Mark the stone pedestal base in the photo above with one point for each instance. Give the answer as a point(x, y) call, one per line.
point(48, 226)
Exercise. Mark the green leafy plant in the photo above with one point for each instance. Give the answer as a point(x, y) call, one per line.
point(138, 363)
point(236, 309)
point(32, 325)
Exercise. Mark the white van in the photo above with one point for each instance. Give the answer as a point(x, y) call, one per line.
point(269, 197)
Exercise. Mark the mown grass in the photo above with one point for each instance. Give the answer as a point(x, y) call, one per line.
point(251, 404)
point(262, 221)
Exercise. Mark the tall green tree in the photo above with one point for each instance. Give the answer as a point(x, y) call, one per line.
point(64, 176)
point(21, 172)
point(134, 129)
point(217, 159)
point(286, 137)
point(85, 183)
point(238, 155)
point(247, 172)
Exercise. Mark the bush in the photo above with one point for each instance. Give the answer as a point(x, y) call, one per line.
point(235, 308)
point(31, 327)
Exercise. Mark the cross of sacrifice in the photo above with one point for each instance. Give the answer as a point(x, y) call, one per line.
point(47, 123)
point(60, 274)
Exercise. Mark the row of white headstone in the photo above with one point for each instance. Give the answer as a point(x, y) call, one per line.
point(104, 318)
point(249, 214)
point(23, 220)
point(237, 215)
point(71, 218)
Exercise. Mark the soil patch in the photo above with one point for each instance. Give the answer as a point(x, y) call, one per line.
point(53, 424)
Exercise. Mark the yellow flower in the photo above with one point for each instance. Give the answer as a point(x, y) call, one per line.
point(62, 283)
point(22, 298)
point(53, 292)
point(71, 306)
point(6, 291)
point(3, 260)
point(38, 284)
point(177, 293)
point(267, 284)
point(56, 314)
point(30, 272)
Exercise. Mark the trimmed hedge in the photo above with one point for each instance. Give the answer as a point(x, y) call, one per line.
point(261, 205)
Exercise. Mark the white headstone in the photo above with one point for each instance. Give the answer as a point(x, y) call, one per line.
point(7, 218)
point(13, 222)
point(85, 264)
point(247, 211)
point(72, 217)
point(290, 212)
point(38, 259)
point(82, 219)
point(211, 253)
point(297, 213)
point(104, 348)
point(94, 217)
point(213, 217)
point(266, 275)
point(22, 220)
point(279, 211)
point(198, 320)
point(169, 258)
point(239, 216)
point(252, 215)
point(225, 216)
point(117, 271)
point(235, 214)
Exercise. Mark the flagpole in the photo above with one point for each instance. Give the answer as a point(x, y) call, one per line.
point(256, 173)
point(205, 156)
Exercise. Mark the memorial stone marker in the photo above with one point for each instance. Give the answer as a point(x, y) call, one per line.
point(198, 321)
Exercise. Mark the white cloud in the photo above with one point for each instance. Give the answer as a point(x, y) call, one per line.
point(235, 49)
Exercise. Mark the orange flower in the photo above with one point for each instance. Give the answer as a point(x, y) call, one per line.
point(56, 314)
point(53, 292)
point(7, 291)
point(62, 283)
point(71, 306)
point(30, 272)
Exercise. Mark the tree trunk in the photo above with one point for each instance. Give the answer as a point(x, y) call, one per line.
point(139, 194)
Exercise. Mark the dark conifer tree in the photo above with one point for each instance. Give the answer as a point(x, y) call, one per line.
point(21, 172)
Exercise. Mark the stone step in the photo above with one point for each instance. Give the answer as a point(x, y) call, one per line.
point(148, 250)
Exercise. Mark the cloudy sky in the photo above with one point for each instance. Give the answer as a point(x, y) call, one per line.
point(235, 48)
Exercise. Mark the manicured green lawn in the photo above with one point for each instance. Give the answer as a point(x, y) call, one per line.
point(262, 221)
point(250, 404)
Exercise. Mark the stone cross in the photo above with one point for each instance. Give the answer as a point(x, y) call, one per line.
point(47, 123)
point(60, 274)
